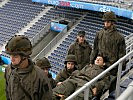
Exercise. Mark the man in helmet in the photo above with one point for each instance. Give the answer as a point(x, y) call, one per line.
point(70, 66)
point(79, 78)
point(24, 80)
point(81, 49)
point(44, 64)
point(1, 61)
point(109, 42)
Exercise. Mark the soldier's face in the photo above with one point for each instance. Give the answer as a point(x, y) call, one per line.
point(107, 24)
point(81, 39)
point(70, 65)
point(99, 61)
point(15, 59)
point(46, 71)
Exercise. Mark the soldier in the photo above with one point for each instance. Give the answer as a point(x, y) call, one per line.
point(81, 49)
point(1, 61)
point(44, 64)
point(70, 66)
point(109, 42)
point(79, 78)
point(24, 80)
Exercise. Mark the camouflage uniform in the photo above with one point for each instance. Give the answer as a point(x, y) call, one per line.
point(79, 78)
point(1, 61)
point(110, 43)
point(44, 63)
point(65, 73)
point(25, 83)
point(81, 51)
point(51, 80)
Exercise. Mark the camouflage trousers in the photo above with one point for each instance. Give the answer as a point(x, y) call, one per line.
point(66, 89)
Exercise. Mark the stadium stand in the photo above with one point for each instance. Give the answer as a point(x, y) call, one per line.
point(16, 14)
point(53, 13)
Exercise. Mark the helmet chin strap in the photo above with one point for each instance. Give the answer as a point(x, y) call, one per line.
point(18, 65)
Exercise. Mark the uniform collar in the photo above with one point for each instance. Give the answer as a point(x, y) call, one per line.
point(113, 28)
point(24, 70)
point(84, 44)
point(98, 67)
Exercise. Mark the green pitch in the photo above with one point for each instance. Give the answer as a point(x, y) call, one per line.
point(2, 86)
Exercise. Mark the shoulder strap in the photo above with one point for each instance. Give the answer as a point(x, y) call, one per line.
point(26, 92)
point(21, 86)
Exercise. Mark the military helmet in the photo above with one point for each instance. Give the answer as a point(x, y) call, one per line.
point(109, 16)
point(43, 63)
point(81, 33)
point(70, 58)
point(19, 44)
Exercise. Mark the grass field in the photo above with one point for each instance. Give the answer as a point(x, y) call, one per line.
point(2, 86)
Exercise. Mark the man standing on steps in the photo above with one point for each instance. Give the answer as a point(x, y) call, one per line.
point(81, 49)
point(110, 43)
point(24, 80)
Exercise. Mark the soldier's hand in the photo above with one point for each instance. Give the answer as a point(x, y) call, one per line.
point(61, 96)
point(59, 83)
point(90, 65)
point(94, 90)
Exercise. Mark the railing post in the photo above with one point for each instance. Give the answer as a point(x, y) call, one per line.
point(127, 94)
point(117, 90)
point(130, 55)
point(86, 93)
point(130, 97)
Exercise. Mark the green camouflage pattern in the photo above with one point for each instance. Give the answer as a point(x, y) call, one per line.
point(27, 84)
point(70, 58)
point(109, 16)
point(111, 44)
point(82, 53)
point(79, 78)
point(43, 63)
point(19, 44)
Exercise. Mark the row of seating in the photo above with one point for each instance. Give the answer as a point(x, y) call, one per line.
point(15, 15)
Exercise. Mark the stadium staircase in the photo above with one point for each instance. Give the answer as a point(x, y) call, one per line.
point(90, 23)
point(24, 17)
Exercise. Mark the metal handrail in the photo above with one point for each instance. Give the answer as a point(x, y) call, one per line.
point(41, 33)
point(51, 44)
point(87, 85)
point(127, 94)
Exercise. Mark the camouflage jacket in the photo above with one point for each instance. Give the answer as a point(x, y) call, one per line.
point(81, 52)
point(110, 43)
point(27, 84)
point(52, 81)
point(63, 75)
point(87, 74)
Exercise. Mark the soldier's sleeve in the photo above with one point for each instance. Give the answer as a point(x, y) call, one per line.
point(122, 51)
point(53, 83)
point(41, 85)
point(89, 54)
point(59, 77)
point(46, 89)
point(103, 84)
point(90, 49)
point(94, 50)
point(71, 50)
point(6, 84)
